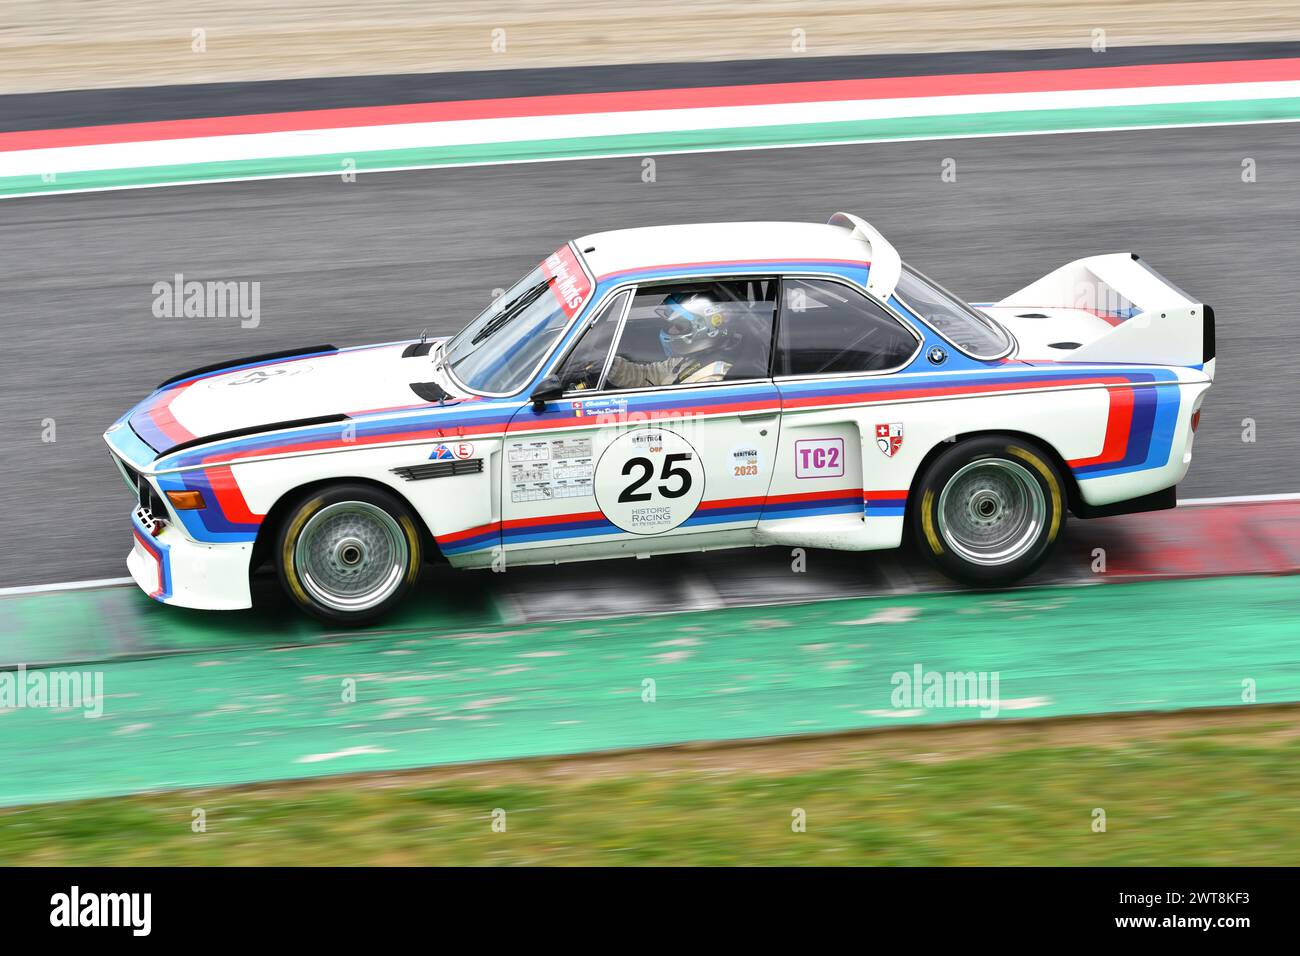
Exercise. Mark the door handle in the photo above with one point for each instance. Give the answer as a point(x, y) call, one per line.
point(758, 414)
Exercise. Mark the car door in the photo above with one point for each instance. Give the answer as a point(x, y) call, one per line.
point(836, 481)
point(649, 451)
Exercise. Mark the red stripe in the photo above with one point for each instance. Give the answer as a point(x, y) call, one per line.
point(163, 419)
point(157, 560)
point(467, 533)
point(1113, 77)
point(885, 495)
point(812, 496)
point(810, 401)
point(553, 519)
point(229, 498)
point(652, 415)
point(731, 503)
point(1119, 422)
point(1110, 318)
point(459, 431)
point(580, 516)
point(531, 425)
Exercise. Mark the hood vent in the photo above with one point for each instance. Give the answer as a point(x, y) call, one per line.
point(430, 391)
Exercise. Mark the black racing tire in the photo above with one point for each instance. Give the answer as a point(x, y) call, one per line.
point(348, 553)
point(989, 510)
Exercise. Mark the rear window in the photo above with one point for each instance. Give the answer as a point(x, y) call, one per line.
point(974, 334)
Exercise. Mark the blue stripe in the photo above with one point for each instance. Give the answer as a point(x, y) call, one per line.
point(1151, 435)
point(850, 502)
point(208, 524)
point(128, 443)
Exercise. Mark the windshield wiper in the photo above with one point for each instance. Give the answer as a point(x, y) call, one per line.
point(521, 302)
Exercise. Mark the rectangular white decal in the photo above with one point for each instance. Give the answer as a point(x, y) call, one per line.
point(548, 470)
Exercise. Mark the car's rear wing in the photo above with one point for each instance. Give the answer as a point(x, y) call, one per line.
point(1153, 322)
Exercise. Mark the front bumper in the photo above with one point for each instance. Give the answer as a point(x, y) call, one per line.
point(173, 569)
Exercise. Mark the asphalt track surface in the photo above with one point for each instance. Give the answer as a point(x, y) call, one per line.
point(391, 253)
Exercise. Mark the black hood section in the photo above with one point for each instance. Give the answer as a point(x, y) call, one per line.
point(254, 430)
point(249, 360)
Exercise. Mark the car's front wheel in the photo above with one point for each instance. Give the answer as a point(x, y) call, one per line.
point(348, 553)
point(989, 510)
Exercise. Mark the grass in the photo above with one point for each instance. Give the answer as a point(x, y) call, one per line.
point(1176, 800)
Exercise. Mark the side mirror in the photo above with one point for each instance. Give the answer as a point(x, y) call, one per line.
point(548, 389)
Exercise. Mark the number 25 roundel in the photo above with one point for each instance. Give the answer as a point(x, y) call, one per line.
point(649, 481)
point(889, 438)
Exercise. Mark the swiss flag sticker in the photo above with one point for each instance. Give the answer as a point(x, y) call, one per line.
point(889, 438)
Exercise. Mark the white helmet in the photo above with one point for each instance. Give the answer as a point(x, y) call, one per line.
point(691, 323)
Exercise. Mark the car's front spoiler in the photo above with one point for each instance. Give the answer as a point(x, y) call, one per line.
point(171, 568)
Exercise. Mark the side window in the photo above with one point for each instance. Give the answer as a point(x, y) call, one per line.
point(587, 360)
point(827, 327)
point(696, 332)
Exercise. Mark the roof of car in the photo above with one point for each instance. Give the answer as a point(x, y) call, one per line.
point(609, 254)
point(622, 250)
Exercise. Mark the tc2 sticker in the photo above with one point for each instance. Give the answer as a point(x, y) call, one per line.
point(819, 458)
point(649, 481)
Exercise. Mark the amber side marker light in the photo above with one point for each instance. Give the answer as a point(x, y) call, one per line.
point(186, 500)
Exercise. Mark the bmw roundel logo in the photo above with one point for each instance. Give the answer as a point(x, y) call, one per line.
point(937, 356)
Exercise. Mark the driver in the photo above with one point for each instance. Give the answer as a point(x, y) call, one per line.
point(698, 343)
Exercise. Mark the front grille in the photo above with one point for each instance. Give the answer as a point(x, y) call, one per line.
point(145, 496)
point(151, 522)
point(150, 499)
point(440, 469)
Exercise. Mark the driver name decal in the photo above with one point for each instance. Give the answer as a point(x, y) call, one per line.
point(571, 286)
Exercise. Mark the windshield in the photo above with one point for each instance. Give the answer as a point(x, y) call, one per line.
point(957, 322)
point(498, 352)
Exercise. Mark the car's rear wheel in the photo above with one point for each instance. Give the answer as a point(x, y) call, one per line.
point(989, 510)
point(348, 554)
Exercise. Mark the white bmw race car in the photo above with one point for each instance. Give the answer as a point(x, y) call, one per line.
point(676, 388)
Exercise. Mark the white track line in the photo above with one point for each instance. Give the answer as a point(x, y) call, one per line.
point(118, 582)
point(1238, 500)
point(66, 586)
